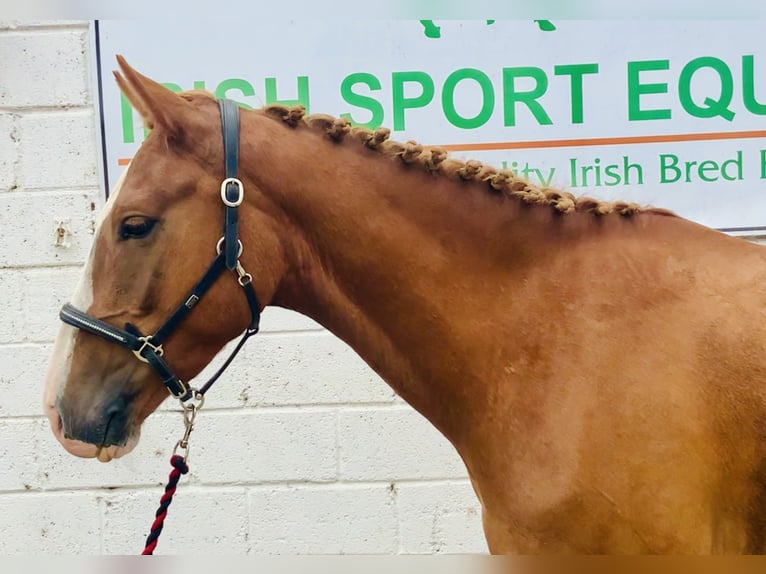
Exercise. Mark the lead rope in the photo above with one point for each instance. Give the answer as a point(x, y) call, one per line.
point(178, 462)
point(179, 467)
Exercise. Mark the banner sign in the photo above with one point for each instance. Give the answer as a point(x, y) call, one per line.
point(671, 114)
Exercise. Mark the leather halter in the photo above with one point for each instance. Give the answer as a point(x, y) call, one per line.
point(148, 348)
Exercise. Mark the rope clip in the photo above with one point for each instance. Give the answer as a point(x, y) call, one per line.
point(190, 410)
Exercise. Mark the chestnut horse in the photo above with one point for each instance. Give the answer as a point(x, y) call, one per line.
point(599, 367)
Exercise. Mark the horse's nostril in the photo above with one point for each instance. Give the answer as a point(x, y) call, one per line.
point(116, 415)
point(117, 406)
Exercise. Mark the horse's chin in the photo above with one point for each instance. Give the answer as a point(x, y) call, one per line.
point(105, 454)
point(84, 449)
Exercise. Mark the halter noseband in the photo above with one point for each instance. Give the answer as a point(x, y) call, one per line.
point(148, 348)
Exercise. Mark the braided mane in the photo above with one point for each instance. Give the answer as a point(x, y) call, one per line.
point(435, 160)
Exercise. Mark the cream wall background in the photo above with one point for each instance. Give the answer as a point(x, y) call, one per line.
point(300, 448)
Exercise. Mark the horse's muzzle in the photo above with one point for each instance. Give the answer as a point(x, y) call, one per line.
point(102, 431)
point(109, 427)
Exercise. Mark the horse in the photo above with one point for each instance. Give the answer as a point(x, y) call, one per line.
point(599, 366)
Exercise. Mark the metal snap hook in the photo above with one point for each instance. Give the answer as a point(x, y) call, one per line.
point(243, 276)
point(190, 410)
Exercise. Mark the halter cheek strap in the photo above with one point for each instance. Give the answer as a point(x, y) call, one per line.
point(148, 348)
point(232, 192)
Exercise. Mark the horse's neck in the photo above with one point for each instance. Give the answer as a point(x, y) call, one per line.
point(391, 259)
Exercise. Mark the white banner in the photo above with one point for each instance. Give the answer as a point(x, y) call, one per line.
point(671, 114)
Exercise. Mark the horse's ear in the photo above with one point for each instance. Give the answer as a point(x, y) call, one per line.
point(158, 105)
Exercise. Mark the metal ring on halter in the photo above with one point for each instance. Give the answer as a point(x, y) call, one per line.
point(191, 409)
point(219, 246)
point(240, 197)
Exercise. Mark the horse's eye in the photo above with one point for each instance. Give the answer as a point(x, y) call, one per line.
point(136, 227)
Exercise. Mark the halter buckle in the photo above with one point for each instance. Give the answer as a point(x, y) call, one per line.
point(146, 342)
point(240, 188)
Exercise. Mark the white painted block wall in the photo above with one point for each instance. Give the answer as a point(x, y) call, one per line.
point(300, 448)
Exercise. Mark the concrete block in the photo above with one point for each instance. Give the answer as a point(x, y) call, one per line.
point(22, 379)
point(11, 304)
point(394, 444)
point(200, 521)
point(40, 215)
point(44, 68)
point(57, 150)
point(251, 447)
point(8, 151)
point(440, 518)
point(339, 519)
point(50, 523)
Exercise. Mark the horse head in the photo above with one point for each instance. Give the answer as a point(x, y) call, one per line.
point(154, 239)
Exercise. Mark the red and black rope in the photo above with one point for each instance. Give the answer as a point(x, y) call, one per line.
point(179, 467)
